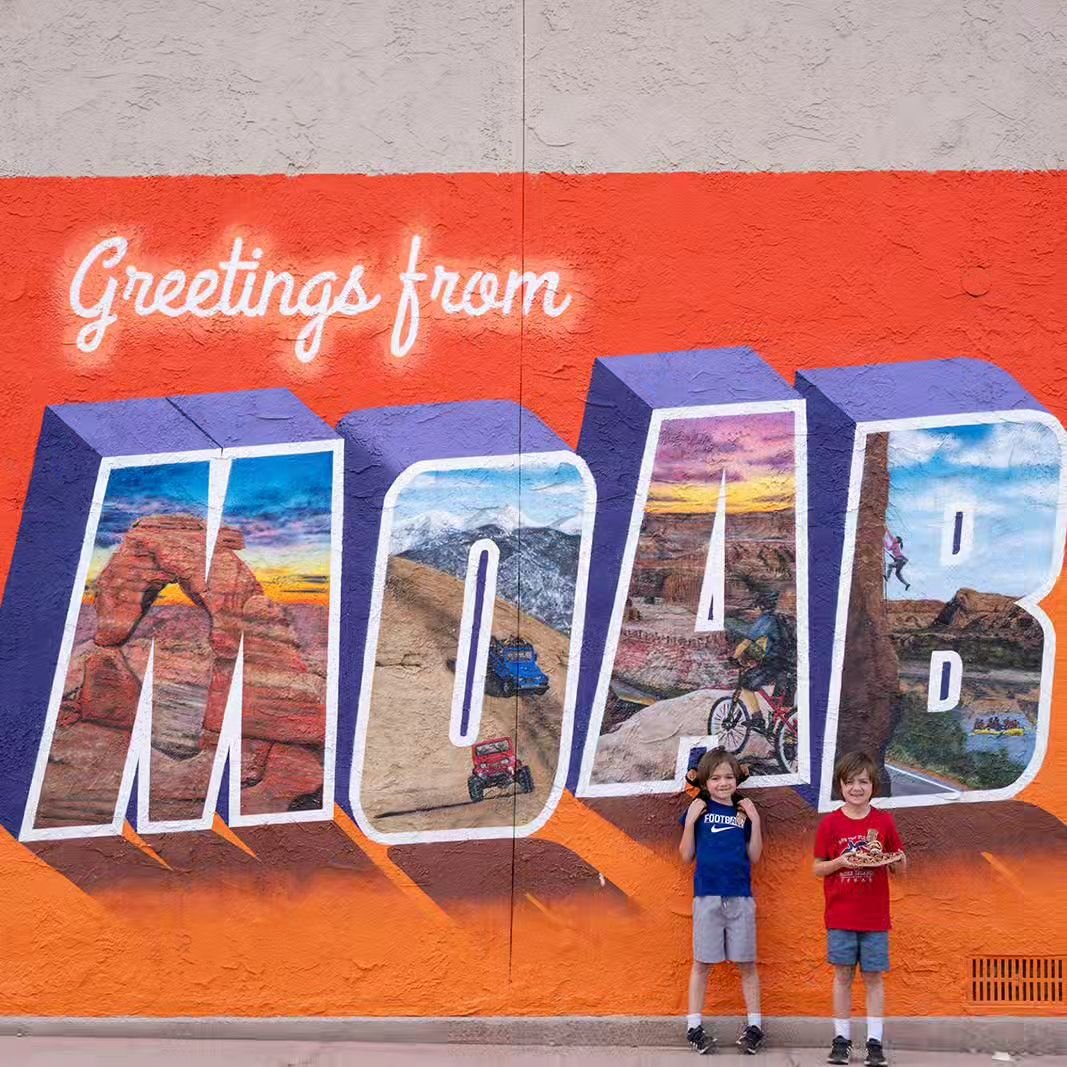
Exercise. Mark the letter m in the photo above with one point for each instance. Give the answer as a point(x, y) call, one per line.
point(169, 626)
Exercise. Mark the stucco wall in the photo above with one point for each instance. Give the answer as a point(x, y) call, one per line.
point(542, 138)
point(367, 88)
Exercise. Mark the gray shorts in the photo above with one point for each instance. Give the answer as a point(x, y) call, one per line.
point(724, 928)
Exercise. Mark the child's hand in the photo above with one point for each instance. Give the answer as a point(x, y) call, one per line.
point(749, 809)
point(696, 809)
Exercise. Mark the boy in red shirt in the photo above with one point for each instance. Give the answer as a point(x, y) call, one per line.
point(850, 845)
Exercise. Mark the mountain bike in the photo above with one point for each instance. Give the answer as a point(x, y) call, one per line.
point(732, 723)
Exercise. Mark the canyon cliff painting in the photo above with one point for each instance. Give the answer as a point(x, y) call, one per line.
point(671, 669)
point(954, 526)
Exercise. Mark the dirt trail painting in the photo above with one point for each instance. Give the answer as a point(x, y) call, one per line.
point(415, 777)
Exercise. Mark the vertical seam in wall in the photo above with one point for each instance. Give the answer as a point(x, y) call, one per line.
point(518, 569)
point(188, 418)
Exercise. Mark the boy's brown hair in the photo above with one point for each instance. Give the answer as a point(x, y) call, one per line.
point(709, 761)
point(853, 763)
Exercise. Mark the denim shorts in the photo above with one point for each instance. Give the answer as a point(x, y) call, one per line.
point(868, 948)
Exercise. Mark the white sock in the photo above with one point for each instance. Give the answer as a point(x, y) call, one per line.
point(843, 1028)
point(693, 1020)
point(874, 1028)
point(755, 1019)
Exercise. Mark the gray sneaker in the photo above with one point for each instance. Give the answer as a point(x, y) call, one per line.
point(750, 1040)
point(700, 1041)
point(875, 1054)
point(840, 1050)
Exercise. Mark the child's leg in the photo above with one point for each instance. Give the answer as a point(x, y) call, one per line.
point(750, 988)
point(874, 962)
point(875, 987)
point(698, 990)
point(843, 998)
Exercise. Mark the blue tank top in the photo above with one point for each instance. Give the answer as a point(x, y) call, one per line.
point(722, 864)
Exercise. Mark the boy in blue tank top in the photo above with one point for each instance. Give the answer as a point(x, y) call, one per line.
point(725, 839)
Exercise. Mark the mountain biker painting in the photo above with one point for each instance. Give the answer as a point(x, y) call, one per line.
point(768, 651)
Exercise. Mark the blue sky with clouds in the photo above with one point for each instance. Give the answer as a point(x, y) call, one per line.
point(1009, 473)
point(280, 503)
point(540, 493)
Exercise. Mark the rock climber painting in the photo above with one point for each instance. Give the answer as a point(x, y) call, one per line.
point(894, 547)
point(943, 661)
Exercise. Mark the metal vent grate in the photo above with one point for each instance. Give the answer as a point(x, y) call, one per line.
point(1017, 979)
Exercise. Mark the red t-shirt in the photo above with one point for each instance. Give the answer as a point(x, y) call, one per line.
point(856, 898)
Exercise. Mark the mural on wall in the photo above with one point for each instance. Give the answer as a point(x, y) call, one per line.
point(167, 613)
point(362, 580)
point(701, 657)
point(191, 620)
point(198, 643)
point(955, 526)
point(481, 567)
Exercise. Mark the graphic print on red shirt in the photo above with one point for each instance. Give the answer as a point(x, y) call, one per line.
point(856, 898)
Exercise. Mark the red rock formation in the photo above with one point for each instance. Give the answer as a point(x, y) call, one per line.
point(170, 548)
point(109, 693)
point(292, 771)
point(907, 615)
point(990, 615)
point(283, 699)
point(870, 679)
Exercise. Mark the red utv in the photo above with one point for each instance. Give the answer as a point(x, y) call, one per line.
point(495, 764)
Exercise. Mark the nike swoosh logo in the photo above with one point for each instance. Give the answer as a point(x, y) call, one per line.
point(723, 829)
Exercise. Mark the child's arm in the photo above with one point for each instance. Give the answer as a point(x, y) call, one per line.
point(899, 867)
point(687, 847)
point(824, 868)
point(755, 842)
point(825, 845)
point(894, 844)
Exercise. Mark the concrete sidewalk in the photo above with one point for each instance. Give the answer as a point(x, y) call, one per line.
point(137, 1052)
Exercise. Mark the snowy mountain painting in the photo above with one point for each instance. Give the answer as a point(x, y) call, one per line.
point(533, 514)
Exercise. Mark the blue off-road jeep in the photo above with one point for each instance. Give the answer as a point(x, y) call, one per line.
point(513, 668)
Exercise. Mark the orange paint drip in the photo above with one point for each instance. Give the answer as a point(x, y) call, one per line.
point(220, 828)
point(643, 875)
point(379, 856)
point(138, 842)
point(544, 910)
point(1003, 870)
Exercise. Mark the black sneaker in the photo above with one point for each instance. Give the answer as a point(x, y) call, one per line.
point(700, 1041)
point(875, 1055)
point(750, 1040)
point(840, 1050)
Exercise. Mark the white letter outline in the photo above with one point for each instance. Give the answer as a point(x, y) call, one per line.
point(585, 786)
point(1030, 603)
point(385, 534)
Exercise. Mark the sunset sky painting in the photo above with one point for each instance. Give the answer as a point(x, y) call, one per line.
point(280, 504)
point(756, 451)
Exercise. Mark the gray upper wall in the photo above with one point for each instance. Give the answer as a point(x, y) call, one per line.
point(381, 86)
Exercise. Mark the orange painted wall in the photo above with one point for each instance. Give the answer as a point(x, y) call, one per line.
point(812, 271)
